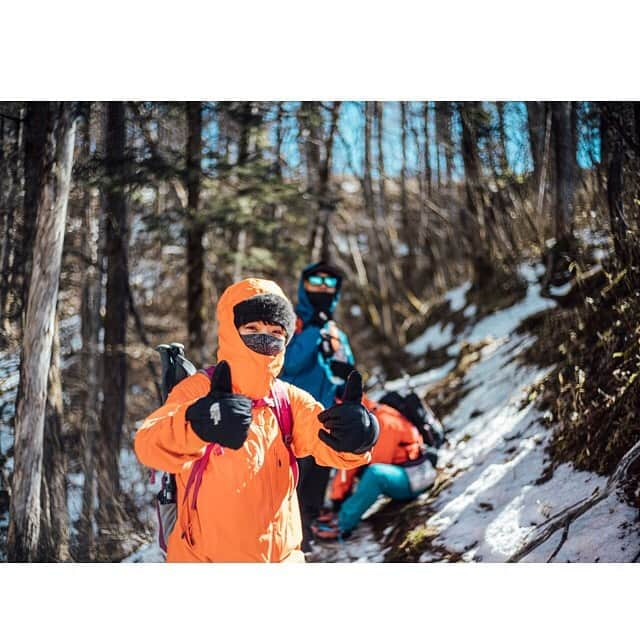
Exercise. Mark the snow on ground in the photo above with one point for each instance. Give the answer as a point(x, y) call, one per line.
point(496, 457)
point(457, 297)
point(9, 378)
point(491, 507)
point(435, 337)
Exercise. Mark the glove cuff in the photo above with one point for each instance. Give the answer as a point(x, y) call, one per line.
point(374, 434)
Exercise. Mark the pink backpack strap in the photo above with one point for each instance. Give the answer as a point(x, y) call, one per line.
point(284, 416)
point(199, 465)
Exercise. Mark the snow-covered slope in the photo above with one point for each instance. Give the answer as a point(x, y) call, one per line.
point(491, 492)
point(494, 461)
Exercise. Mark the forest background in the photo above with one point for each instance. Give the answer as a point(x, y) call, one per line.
point(122, 222)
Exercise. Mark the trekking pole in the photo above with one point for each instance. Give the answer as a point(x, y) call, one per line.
point(165, 358)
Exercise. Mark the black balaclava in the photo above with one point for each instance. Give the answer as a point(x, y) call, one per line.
point(321, 301)
point(268, 308)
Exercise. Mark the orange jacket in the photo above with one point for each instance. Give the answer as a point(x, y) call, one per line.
point(399, 441)
point(247, 509)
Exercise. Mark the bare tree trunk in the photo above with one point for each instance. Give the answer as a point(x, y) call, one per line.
point(280, 115)
point(620, 120)
point(448, 140)
point(375, 235)
point(318, 150)
point(11, 160)
point(92, 248)
point(407, 223)
point(504, 163)
point(54, 525)
point(367, 185)
point(110, 513)
point(195, 234)
point(427, 149)
point(382, 210)
point(477, 233)
point(615, 191)
point(444, 141)
point(37, 124)
point(25, 513)
point(564, 170)
point(536, 117)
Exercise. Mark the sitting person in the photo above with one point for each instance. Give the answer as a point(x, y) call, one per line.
point(402, 467)
point(243, 506)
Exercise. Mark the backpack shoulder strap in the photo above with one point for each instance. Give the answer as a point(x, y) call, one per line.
point(284, 416)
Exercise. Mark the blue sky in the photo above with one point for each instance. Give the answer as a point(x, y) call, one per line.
point(349, 145)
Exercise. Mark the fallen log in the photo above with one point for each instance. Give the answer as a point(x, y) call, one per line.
point(544, 531)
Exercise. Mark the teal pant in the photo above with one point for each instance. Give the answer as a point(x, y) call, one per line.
point(378, 479)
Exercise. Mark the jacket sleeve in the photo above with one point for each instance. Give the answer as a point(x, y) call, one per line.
point(342, 483)
point(302, 352)
point(165, 439)
point(306, 442)
point(347, 347)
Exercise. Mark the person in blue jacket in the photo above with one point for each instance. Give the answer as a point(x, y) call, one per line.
point(318, 360)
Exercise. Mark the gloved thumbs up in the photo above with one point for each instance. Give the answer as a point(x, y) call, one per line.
point(221, 416)
point(220, 380)
point(349, 427)
point(353, 388)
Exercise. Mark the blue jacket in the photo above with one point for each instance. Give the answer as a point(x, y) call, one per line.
point(304, 364)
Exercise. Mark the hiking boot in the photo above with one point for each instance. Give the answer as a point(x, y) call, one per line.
point(326, 516)
point(329, 532)
point(326, 531)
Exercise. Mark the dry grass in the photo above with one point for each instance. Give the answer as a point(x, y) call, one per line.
point(593, 394)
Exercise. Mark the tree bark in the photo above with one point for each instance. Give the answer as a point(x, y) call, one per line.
point(478, 235)
point(564, 170)
point(444, 140)
point(409, 232)
point(427, 149)
point(502, 136)
point(54, 526)
point(92, 247)
point(10, 161)
point(37, 124)
point(622, 240)
point(536, 119)
point(25, 512)
point(195, 234)
point(110, 513)
point(318, 150)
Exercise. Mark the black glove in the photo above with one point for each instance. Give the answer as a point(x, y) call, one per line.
point(326, 348)
point(320, 318)
point(352, 428)
point(341, 369)
point(221, 416)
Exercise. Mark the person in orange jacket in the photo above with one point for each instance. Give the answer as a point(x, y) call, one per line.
point(400, 447)
point(247, 509)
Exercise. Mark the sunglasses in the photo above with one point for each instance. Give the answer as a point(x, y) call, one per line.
point(329, 281)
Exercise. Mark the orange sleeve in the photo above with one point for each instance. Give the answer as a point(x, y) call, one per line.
point(166, 440)
point(342, 482)
point(306, 425)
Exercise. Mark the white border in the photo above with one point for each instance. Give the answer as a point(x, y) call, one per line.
point(334, 49)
